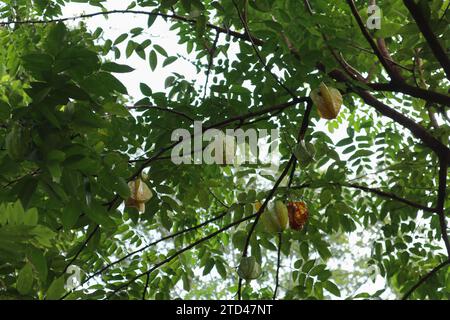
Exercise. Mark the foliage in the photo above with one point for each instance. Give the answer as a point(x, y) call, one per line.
point(64, 178)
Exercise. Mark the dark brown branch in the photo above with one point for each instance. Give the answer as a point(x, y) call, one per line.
point(258, 215)
point(173, 235)
point(140, 12)
point(301, 135)
point(146, 286)
point(433, 42)
point(170, 258)
point(211, 52)
point(150, 107)
point(280, 237)
point(427, 95)
point(417, 130)
point(261, 60)
point(425, 278)
point(390, 196)
point(97, 227)
point(221, 124)
point(442, 196)
point(393, 72)
point(376, 191)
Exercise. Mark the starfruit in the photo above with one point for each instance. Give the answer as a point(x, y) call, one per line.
point(275, 219)
point(328, 101)
point(298, 214)
point(249, 268)
point(140, 194)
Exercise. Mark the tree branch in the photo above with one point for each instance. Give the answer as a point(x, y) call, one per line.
point(138, 12)
point(173, 235)
point(280, 237)
point(417, 130)
point(150, 107)
point(430, 37)
point(247, 32)
point(393, 72)
point(442, 196)
point(427, 95)
point(301, 134)
point(171, 257)
point(425, 278)
point(376, 191)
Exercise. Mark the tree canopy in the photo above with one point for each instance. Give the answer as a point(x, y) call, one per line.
point(75, 146)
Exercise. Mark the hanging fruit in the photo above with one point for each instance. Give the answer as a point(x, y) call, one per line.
point(140, 194)
point(275, 219)
point(298, 214)
point(249, 268)
point(328, 101)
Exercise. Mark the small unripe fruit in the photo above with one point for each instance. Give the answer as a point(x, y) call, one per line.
point(249, 268)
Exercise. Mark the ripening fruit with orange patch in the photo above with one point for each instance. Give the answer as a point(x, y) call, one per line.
point(298, 214)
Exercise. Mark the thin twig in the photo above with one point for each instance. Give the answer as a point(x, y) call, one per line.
point(301, 134)
point(433, 42)
point(425, 278)
point(247, 32)
point(212, 52)
point(442, 196)
point(146, 286)
point(171, 257)
point(139, 12)
point(150, 107)
point(280, 237)
point(173, 235)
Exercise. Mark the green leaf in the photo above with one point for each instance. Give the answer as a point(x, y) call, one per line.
point(120, 38)
point(70, 214)
point(208, 267)
point(332, 288)
point(160, 50)
point(145, 89)
point(117, 68)
point(39, 262)
point(153, 60)
point(168, 61)
point(56, 289)
point(98, 214)
point(116, 109)
point(25, 279)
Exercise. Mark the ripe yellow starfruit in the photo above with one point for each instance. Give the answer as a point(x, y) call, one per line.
point(275, 219)
point(298, 214)
point(328, 101)
point(249, 268)
point(140, 194)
